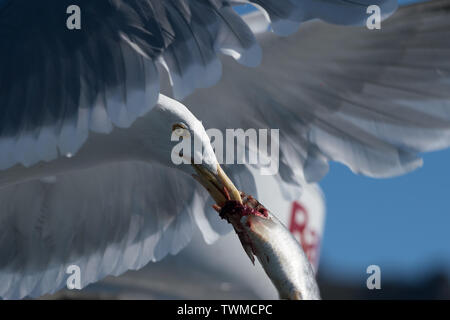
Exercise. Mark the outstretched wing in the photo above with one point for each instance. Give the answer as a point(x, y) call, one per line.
point(58, 84)
point(105, 220)
point(371, 99)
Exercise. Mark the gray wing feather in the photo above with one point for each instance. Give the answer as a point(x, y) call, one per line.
point(373, 100)
point(58, 84)
point(105, 220)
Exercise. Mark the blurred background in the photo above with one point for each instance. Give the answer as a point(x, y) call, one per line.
point(400, 224)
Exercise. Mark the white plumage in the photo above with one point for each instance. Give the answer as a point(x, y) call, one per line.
point(85, 134)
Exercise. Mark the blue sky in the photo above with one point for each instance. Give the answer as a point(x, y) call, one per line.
point(401, 224)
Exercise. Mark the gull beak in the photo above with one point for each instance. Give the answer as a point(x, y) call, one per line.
point(219, 186)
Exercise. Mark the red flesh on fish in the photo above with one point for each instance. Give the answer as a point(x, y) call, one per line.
point(233, 211)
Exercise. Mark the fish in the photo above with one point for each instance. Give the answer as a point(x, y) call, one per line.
point(263, 236)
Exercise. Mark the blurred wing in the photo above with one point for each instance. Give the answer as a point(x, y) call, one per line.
point(57, 84)
point(371, 99)
point(105, 220)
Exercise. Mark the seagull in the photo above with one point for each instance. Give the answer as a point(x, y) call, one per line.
point(87, 115)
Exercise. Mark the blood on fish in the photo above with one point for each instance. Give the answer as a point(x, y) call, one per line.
point(234, 209)
point(280, 255)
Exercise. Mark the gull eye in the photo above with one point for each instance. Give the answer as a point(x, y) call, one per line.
point(180, 130)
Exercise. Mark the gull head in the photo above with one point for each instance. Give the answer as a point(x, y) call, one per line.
point(176, 138)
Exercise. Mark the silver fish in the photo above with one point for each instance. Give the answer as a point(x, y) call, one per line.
point(280, 254)
point(264, 236)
